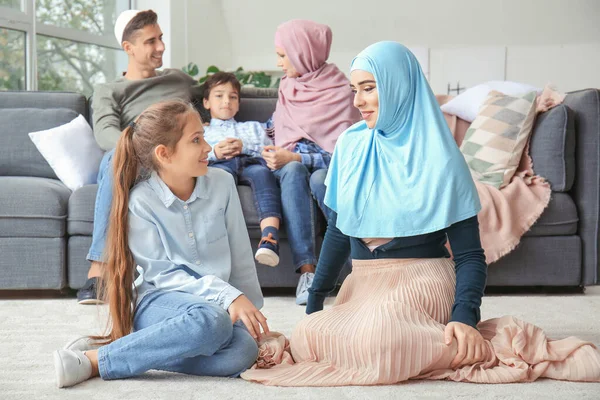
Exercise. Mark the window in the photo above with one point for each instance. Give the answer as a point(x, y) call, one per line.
point(11, 4)
point(12, 59)
point(73, 48)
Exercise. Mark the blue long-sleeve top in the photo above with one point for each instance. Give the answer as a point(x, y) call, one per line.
point(469, 258)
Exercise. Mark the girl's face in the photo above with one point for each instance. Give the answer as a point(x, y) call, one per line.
point(366, 98)
point(285, 64)
point(223, 101)
point(190, 158)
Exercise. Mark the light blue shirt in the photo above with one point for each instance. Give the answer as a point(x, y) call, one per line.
point(199, 246)
point(252, 134)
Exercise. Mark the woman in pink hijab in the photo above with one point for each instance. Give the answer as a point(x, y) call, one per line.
point(314, 108)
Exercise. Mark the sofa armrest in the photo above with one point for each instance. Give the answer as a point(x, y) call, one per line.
point(586, 189)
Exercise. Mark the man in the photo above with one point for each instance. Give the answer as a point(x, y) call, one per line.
point(118, 103)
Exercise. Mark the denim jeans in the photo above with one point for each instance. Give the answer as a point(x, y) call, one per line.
point(253, 172)
point(299, 212)
point(317, 188)
point(179, 332)
point(102, 208)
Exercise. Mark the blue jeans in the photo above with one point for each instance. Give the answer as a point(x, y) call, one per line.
point(179, 332)
point(317, 188)
point(253, 172)
point(298, 212)
point(102, 209)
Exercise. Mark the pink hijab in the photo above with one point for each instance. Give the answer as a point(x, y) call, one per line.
point(318, 104)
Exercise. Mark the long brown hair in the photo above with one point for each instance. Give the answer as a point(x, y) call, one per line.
point(159, 124)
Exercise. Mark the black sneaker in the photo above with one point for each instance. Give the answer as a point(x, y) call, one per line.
point(88, 294)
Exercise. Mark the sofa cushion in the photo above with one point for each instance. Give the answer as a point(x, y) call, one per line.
point(256, 109)
point(81, 211)
point(552, 147)
point(494, 142)
point(32, 207)
point(18, 154)
point(558, 219)
point(80, 219)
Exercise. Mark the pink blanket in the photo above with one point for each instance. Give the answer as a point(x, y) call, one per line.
point(508, 213)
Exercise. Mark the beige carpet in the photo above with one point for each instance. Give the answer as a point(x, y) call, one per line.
point(31, 329)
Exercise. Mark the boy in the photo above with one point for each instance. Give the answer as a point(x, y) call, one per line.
point(236, 149)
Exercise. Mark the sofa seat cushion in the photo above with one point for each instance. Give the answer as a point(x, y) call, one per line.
point(552, 147)
point(32, 207)
point(558, 219)
point(81, 211)
point(83, 200)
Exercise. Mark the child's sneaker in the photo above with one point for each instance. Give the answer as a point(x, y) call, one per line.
point(83, 343)
point(268, 250)
point(72, 367)
point(305, 282)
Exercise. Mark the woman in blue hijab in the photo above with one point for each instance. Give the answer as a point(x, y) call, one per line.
point(399, 189)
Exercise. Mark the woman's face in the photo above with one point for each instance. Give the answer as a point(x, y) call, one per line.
point(366, 98)
point(285, 64)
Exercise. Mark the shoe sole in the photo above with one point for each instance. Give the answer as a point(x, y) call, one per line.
point(90, 301)
point(58, 369)
point(267, 257)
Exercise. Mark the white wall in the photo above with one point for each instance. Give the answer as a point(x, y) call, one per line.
point(163, 10)
point(536, 41)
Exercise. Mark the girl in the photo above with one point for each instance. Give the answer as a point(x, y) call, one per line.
point(314, 107)
point(195, 306)
point(398, 188)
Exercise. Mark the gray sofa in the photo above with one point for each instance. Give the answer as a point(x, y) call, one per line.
point(45, 230)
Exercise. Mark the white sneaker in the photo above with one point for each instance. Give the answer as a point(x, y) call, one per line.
point(72, 367)
point(267, 257)
point(83, 343)
point(304, 284)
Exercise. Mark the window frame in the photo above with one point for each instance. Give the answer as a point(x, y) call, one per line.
point(24, 20)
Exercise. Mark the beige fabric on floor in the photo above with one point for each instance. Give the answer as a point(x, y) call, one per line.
point(387, 326)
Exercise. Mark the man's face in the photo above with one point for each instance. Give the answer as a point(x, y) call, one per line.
point(146, 48)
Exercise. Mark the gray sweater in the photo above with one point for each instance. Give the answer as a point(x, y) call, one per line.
point(116, 104)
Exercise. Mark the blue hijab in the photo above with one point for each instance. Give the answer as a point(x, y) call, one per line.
point(406, 176)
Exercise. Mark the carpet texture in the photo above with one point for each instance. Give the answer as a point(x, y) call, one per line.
point(31, 329)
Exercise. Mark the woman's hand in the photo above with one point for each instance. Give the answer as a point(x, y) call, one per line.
point(277, 157)
point(471, 345)
point(243, 309)
point(228, 148)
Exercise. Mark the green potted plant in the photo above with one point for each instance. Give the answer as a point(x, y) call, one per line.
point(259, 79)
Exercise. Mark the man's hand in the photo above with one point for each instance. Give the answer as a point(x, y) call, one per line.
point(471, 346)
point(243, 309)
point(228, 148)
point(277, 157)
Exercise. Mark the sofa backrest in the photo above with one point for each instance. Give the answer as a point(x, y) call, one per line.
point(552, 147)
point(256, 104)
point(25, 112)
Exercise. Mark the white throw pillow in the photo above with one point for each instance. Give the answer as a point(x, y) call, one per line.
point(71, 151)
point(466, 105)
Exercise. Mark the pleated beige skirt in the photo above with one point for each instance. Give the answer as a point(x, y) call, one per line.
point(387, 326)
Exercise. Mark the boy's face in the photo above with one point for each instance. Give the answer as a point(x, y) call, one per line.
point(223, 101)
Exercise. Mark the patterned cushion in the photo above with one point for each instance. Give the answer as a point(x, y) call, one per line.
point(495, 141)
